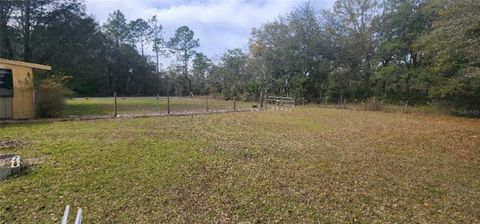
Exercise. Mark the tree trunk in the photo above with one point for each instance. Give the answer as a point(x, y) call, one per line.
point(156, 69)
point(185, 74)
point(263, 93)
point(27, 47)
point(126, 85)
point(407, 88)
point(189, 82)
point(6, 50)
point(261, 98)
point(413, 64)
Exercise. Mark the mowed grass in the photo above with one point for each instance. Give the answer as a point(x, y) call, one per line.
point(145, 105)
point(309, 165)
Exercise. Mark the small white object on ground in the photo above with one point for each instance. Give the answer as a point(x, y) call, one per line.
point(9, 164)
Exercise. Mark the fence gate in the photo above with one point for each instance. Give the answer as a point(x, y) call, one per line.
point(280, 102)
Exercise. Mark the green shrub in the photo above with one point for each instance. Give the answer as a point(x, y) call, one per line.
point(50, 99)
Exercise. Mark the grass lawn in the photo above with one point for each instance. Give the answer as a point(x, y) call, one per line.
point(309, 165)
point(141, 105)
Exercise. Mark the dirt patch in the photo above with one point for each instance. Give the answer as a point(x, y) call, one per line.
point(29, 162)
point(12, 143)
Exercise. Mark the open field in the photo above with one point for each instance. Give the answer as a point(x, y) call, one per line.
point(309, 165)
point(142, 105)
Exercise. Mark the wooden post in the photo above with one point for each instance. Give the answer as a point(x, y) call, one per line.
point(303, 101)
point(115, 104)
point(234, 103)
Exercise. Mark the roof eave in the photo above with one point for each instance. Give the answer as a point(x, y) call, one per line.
point(25, 64)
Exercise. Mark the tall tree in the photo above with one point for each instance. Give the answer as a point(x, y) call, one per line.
point(27, 23)
point(234, 66)
point(399, 27)
point(351, 25)
point(140, 31)
point(183, 44)
point(29, 13)
point(83, 48)
point(294, 51)
point(453, 49)
point(307, 52)
point(201, 65)
point(6, 9)
point(157, 40)
point(116, 28)
point(260, 62)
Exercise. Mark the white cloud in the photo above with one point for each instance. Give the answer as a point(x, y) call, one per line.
point(219, 24)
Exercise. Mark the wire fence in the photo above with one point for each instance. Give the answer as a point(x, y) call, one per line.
point(149, 105)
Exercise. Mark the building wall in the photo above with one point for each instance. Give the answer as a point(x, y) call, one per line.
point(22, 91)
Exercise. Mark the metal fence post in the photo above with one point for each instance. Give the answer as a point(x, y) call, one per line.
point(115, 104)
point(168, 104)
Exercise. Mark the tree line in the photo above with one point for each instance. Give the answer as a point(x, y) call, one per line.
point(95, 59)
point(406, 51)
point(401, 52)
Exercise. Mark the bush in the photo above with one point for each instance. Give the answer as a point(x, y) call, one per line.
point(51, 97)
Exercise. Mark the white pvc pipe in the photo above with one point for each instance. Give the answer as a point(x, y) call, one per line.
point(78, 220)
point(65, 214)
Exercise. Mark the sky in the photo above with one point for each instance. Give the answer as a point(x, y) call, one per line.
point(219, 24)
